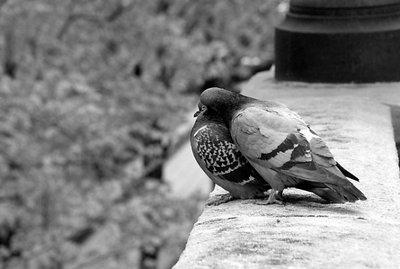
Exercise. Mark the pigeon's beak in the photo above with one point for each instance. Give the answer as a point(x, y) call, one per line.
point(197, 113)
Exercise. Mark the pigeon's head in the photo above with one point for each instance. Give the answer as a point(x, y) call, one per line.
point(222, 102)
point(202, 109)
point(206, 114)
point(216, 97)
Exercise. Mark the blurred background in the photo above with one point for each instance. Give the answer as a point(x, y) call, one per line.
point(96, 97)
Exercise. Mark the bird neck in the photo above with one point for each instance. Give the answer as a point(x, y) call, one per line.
point(228, 110)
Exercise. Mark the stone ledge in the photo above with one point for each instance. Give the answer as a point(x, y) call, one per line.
point(305, 233)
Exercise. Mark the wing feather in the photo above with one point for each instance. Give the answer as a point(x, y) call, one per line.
point(277, 139)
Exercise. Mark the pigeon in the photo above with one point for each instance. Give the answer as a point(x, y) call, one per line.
point(214, 149)
point(224, 164)
point(280, 145)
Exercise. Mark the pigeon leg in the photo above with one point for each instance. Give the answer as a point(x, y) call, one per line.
point(279, 195)
point(220, 199)
point(272, 198)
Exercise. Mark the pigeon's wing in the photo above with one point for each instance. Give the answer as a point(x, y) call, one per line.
point(277, 138)
point(218, 156)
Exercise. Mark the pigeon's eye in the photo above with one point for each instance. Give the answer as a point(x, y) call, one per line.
point(203, 107)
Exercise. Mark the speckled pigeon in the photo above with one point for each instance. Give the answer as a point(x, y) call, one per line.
point(220, 159)
point(283, 149)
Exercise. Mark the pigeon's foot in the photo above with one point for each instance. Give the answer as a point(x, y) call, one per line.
point(279, 195)
point(272, 199)
point(220, 199)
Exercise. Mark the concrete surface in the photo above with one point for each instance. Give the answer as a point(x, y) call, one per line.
point(305, 232)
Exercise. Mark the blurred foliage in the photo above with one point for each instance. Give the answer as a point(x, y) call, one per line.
point(91, 92)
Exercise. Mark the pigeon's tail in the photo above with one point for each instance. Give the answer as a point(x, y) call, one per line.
point(328, 194)
point(341, 185)
point(322, 191)
point(348, 192)
point(346, 172)
point(333, 193)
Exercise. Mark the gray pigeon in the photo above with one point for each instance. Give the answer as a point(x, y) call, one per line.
point(283, 149)
point(220, 159)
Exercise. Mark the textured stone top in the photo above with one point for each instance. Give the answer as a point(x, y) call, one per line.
point(305, 232)
point(343, 3)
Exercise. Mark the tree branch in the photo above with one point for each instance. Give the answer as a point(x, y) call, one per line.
point(2, 2)
point(72, 18)
point(120, 9)
point(10, 59)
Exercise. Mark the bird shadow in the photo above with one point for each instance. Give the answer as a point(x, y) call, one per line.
point(314, 202)
point(297, 202)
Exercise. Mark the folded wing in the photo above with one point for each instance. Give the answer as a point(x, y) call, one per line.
point(278, 139)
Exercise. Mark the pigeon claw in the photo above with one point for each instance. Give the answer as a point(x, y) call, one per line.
point(220, 199)
point(275, 197)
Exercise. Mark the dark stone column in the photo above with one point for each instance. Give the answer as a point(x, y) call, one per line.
point(339, 41)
